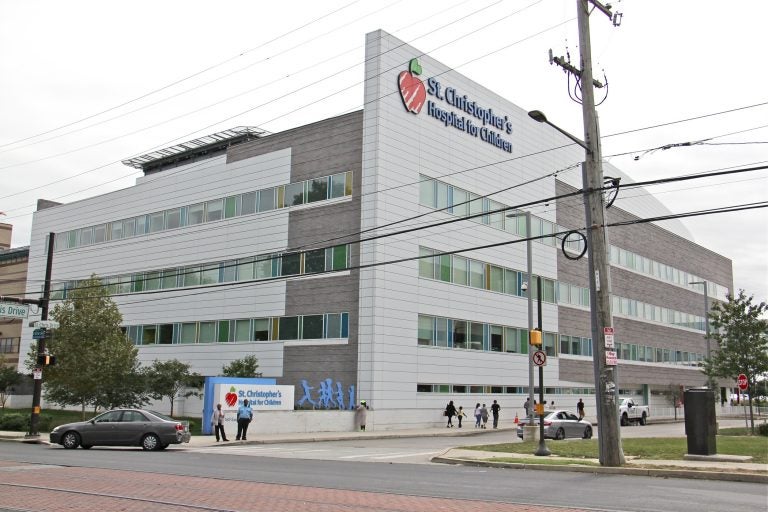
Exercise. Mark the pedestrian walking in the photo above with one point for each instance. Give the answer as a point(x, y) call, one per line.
point(217, 421)
point(580, 408)
point(450, 411)
point(527, 406)
point(495, 408)
point(484, 415)
point(244, 418)
point(461, 414)
point(361, 413)
point(551, 404)
point(478, 415)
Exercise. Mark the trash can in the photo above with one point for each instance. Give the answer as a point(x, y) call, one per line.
point(700, 421)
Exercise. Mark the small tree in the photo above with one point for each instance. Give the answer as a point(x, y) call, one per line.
point(741, 333)
point(245, 367)
point(675, 396)
point(167, 379)
point(9, 378)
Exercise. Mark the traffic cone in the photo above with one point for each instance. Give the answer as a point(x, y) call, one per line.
point(516, 419)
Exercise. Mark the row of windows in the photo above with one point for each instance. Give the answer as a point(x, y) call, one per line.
point(456, 269)
point(663, 272)
point(451, 333)
point(304, 327)
point(497, 390)
point(244, 269)
point(460, 202)
point(457, 201)
point(281, 196)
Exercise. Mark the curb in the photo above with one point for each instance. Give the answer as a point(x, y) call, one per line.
point(662, 473)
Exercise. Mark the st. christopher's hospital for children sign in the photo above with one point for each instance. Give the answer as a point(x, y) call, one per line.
point(260, 397)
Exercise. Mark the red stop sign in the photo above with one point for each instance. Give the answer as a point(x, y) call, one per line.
point(742, 381)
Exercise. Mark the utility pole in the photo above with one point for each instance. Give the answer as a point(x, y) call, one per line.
point(606, 382)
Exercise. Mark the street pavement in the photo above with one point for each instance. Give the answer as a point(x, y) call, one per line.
point(312, 447)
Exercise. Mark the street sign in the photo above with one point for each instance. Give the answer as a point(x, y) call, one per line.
point(742, 382)
point(608, 330)
point(39, 334)
point(609, 342)
point(610, 358)
point(10, 310)
point(45, 324)
point(540, 358)
point(37, 373)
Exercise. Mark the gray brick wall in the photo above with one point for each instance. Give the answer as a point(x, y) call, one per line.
point(320, 149)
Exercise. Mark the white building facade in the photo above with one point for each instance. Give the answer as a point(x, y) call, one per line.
point(282, 246)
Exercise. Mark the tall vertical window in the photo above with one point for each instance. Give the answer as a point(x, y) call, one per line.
point(426, 330)
point(460, 334)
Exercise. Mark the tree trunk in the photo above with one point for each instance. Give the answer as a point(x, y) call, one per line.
point(82, 411)
point(171, 406)
point(751, 411)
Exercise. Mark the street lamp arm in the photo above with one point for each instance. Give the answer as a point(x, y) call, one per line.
point(538, 116)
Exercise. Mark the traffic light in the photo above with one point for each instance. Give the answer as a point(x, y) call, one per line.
point(536, 337)
point(46, 360)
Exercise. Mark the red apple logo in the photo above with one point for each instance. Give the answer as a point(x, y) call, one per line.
point(412, 89)
point(231, 397)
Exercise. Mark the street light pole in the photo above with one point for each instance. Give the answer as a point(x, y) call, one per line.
point(542, 450)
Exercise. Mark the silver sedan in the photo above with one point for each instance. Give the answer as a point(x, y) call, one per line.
point(560, 424)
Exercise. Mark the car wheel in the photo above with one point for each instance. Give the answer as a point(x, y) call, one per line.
point(588, 433)
point(86, 446)
point(70, 440)
point(560, 434)
point(624, 420)
point(150, 442)
point(643, 420)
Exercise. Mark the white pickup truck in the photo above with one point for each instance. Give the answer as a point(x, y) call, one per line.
point(630, 412)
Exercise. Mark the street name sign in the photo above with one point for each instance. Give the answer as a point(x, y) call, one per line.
point(8, 309)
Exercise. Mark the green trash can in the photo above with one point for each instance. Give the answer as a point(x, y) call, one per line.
point(700, 421)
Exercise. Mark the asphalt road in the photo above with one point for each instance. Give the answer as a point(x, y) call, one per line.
point(335, 465)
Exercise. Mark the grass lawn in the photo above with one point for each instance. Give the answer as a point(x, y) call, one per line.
point(663, 448)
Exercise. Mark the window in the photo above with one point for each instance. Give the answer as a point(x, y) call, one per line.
point(263, 267)
point(314, 261)
point(191, 276)
point(165, 334)
point(426, 265)
point(459, 334)
point(141, 225)
point(549, 290)
point(496, 278)
point(196, 213)
point(445, 267)
point(476, 336)
point(86, 236)
point(210, 274)
point(312, 327)
point(441, 332)
point(497, 338)
point(340, 257)
point(214, 210)
point(129, 228)
point(152, 281)
point(245, 269)
point(169, 278)
point(188, 333)
point(317, 190)
point(156, 222)
point(476, 274)
point(475, 206)
point(267, 200)
point(460, 206)
point(207, 332)
point(511, 281)
point(223, 336)
point(291, 264)
point(242, 330)
point(99, 233)
point(294, 194)
point(460, 274)
point(231, 207)
point(229, 271)
point(333, 325)
point(261, 329)
point(248, 203)
point(288, 328)
point(512, 342)
point(173, 218)
point(497, 219)
point(426, 330)
point(338, 185)
point(442, 195)
point(427, 192)
point(565, 344)
point(148, 334)
point(549, 343)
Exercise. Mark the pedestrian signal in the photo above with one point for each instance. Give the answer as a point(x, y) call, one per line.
point(536, 337)
point(46, 360)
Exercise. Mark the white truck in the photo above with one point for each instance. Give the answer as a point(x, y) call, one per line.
point(629, 412)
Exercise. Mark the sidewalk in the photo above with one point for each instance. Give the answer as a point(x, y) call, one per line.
point(707, 470)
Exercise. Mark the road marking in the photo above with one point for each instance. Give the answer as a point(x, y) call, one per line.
point(396, 456)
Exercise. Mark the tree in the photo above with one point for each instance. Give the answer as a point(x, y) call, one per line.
point(245, 367)
point(675, 396)
point(167, 379)
point(741, 333)
point(9, 377)
point(95, 362)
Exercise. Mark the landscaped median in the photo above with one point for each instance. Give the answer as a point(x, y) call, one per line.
point(644, 456)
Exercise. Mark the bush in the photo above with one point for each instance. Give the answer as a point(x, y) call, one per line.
point(762, 429)
point(15, 422)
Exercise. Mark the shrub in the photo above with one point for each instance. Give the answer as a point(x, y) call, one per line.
point(762, 429)
point(15, 422)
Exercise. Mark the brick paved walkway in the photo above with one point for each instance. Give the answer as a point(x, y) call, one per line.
point(62, 489)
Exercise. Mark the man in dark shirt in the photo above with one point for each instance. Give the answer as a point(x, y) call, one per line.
point(495, 411)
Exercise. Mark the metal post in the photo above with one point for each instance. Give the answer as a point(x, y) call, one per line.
point(542, 450)
point(529, 250)
point(38, 385)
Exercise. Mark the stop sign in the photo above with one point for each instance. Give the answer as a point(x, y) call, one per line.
point(742, 381)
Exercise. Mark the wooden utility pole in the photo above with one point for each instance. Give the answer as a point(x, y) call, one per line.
point(606, 385)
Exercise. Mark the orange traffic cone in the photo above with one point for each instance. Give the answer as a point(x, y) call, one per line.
point(516, 419)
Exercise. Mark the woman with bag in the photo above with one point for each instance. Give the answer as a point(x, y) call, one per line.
point(450, 411)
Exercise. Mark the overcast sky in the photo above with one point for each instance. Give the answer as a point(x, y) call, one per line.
point(86, 84)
